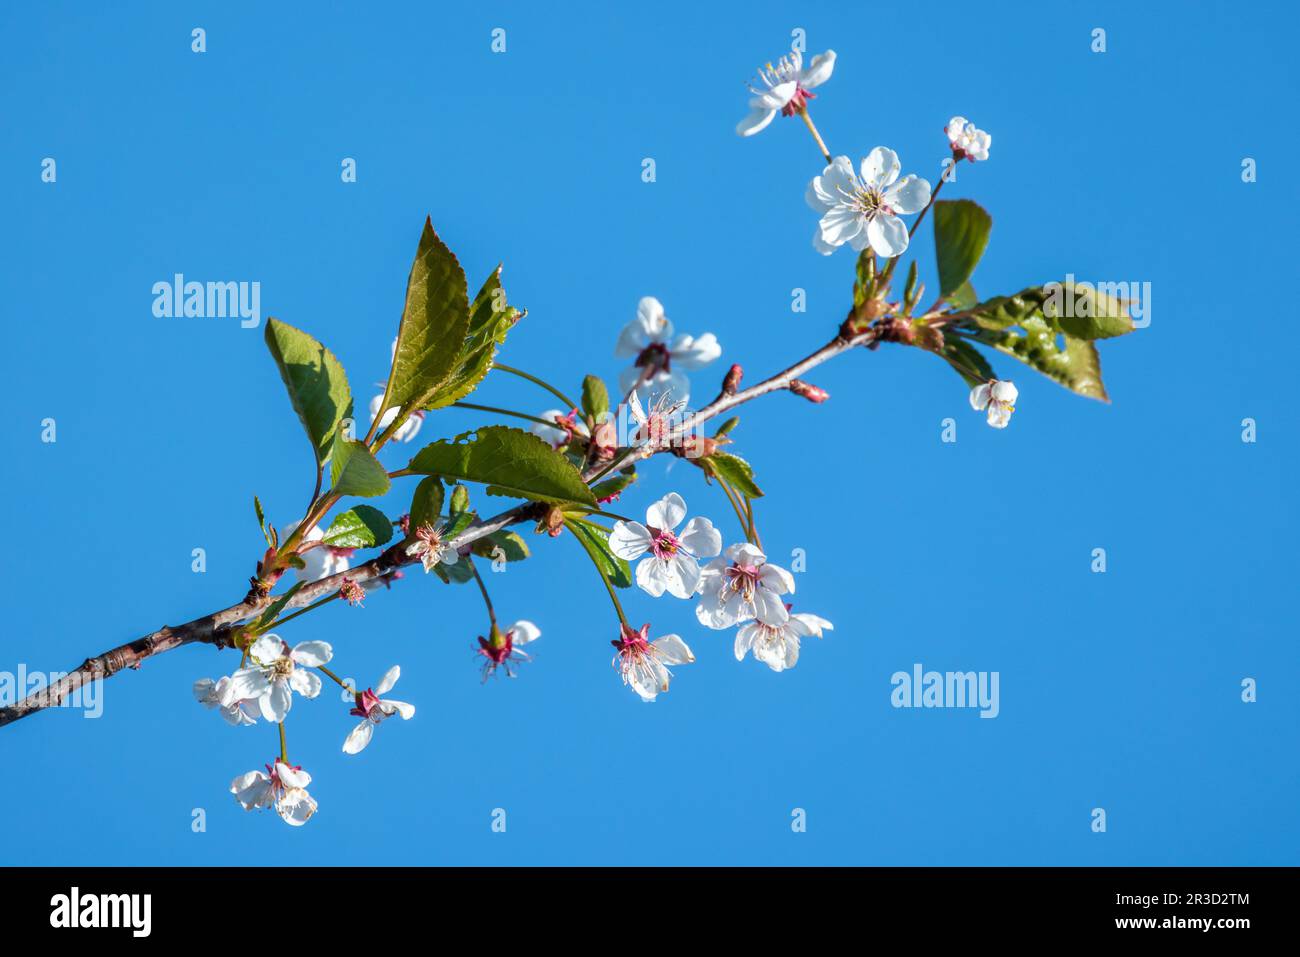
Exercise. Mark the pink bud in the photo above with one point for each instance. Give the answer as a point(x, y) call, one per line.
point(810, 392)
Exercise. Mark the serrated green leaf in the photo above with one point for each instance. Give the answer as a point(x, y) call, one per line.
point(1000, 312)
point(435, 321)
point(509, 461)
point(363, 526)
point(317, 385)
point(490, 318)
point(964, 297)
point(355, 471)
point(737, 473)
point(596, 543)
point(967, 360)
point(1084, 311)
point(595, 397)
point(513, 547)
point(961, 233)
point(457, 522)
point(426, 503)
point(1077, 367)
point(613, 486)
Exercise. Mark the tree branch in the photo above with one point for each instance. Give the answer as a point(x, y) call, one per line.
point(216, 628)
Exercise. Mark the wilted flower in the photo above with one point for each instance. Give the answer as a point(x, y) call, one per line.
point(501, 648)
point(642, 662)
point(372, 710)
point(430, 548)
point(284, 788)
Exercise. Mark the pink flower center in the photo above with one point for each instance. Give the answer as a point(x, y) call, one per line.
point(798, 101)
point(367, 701)
point(654, 358)
point(664, 544)
point(742, 580)
point(632, 643)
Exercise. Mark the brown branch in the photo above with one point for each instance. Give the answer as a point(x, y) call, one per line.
point(216, 628)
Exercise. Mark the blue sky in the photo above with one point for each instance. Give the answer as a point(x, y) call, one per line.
point(1119, 690)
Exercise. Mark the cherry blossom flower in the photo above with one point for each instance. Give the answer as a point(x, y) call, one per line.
point(372, 710)
point(863, 210)
point(657, 426)
point(742, 585)
point(642, 662)
point(967, 140)
point(320, 561)
point(501, 648)
point(784, 88)
point(430, 548)
point(672, 564)
point(212, 694)
point(351, 592)
point(407, 430)
point(777, 646)
point(658, 358)
point(999, 397)
point(284, 787)
point(567, 425)
point(274, 672)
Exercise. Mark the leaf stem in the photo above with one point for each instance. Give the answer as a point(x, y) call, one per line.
point(303, 611)
point(889, 269)
point(335, 678)
point(284, 750)
point(568, 403)
point(499, 411)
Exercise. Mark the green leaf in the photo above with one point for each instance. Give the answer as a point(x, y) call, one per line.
point(1084, 311)
point(434, 325)
point(967, 360)
point(510, 461)
point(460, 499)
point(737, 473)
point(361, 527)
point(355, 471)
point(595, 397)
point(490, 318)
point(596, 543)
point(964, 297)
point(513, 547)
point(1077, 366)
point(961, 232)
point(457, 574)
point(1001, 312)
point(273, 609)
point(318, 387)
point(613, 486)
point(426, 503)
point(269, 535)
point(726, 427)
point(457, 522)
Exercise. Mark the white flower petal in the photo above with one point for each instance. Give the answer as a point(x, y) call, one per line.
point(296, 807)
point(313, 654)
point(389, 679)
point(359, 737)
point(306, 683)
point(979, 397)
point(522, 632)
point(629, 540)
point(276, 702)
point(908, 195)
point(756, 121)
point(267, 649)
point(887, 235)
point(671, 650)
point(819, 71)
point(701, 538)
point(652, 576)
point(667, 513)
point(691, 353)
point(880, 168)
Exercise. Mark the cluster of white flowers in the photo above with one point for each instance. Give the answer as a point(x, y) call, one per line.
point(740, 588)
point(264, 688)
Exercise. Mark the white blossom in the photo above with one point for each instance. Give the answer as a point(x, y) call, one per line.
point(777, 646)
point(284, 788)
point(742, 585)
point(211, 694)
point(863, 210)
point(373, 710)
point(658, 357)
point(783, 88)
point(430, 547)
point(672, 564)
point(274, 672)
point(967, 140)
point(999, 397)
point(643, 663)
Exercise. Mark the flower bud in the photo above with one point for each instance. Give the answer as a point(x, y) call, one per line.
point(732, 381)
point(809, 391)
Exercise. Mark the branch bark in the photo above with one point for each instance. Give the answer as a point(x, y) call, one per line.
point(216, 628)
